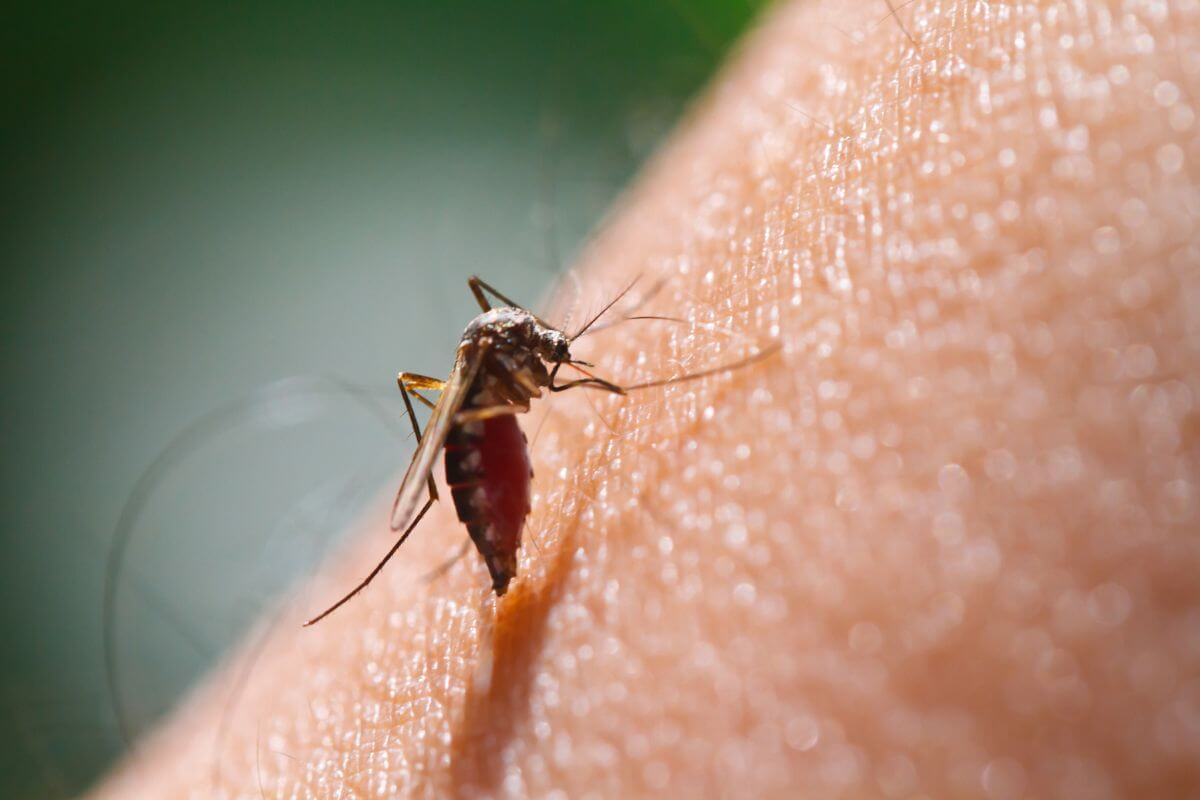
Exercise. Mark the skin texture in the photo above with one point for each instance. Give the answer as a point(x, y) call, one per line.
point(944, 545)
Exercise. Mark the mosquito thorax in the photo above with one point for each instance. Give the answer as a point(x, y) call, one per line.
point(504, 325)
point(517, 329)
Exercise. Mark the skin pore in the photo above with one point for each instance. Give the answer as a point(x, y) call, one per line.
point(943, 545)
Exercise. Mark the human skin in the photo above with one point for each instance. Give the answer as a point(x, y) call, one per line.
point(943, 545)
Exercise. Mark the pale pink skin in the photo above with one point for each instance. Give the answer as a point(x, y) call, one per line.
point(945, 545)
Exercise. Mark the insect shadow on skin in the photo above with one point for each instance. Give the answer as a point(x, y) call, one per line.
point(506, 358)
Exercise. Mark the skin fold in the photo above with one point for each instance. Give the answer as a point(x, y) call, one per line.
point(943, 545)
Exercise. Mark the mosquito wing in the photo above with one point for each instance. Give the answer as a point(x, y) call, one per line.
point(436, 430)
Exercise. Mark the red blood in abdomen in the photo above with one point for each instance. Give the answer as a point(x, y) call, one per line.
point(506, 479)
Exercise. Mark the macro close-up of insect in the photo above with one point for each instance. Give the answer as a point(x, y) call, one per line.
point(823, 424)
point(506, 358)
point(214, 221)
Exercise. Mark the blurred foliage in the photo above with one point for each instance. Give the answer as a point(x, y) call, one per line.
point(201, 198)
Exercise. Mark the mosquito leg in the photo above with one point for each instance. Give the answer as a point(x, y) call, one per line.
point(479, 286)
point(428, 403)
point(405, 380)
point(445, 566)
point(590, 381)
point(477, 290)
point(599, 383)
point(487, 412)
point(409, 382)
point(762, 354)
point(378, 567)
point(412, 381)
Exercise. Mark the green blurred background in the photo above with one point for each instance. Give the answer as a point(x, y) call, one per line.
point(201, 200)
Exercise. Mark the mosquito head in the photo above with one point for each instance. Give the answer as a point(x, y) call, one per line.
point(553, 346)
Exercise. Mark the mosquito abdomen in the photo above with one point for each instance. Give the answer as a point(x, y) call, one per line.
point(489, 474)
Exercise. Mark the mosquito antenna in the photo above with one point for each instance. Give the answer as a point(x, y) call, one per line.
point(708, 326)
point(604, 310)
point(659, 317)
point(765, 353)
point(593, 380)
point(641, 302)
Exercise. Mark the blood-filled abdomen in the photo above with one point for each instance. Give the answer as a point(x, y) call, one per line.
point(488, 471)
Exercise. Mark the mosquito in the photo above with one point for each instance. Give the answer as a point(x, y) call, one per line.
point(506, 357)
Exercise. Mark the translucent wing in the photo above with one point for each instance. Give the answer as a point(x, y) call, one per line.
point(436, 430)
